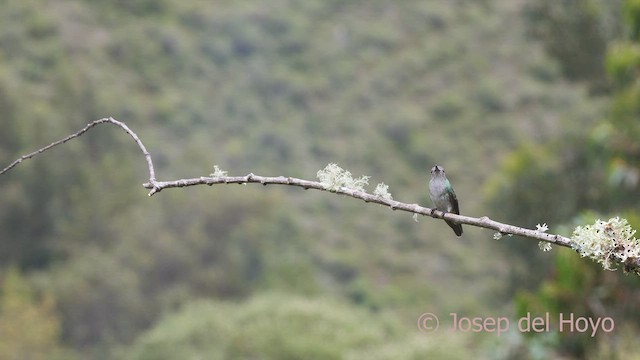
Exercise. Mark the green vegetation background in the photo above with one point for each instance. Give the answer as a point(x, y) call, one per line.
point(530, 105)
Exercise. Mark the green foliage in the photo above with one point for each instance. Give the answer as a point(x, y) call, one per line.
point(623, 348)
point(604, 162)
point(532, 165)
point(583, 289)
point(29, 326)
point(576, 33)
point(622, 63)
point(631, 11)
point(279, 326)
point(216, 251)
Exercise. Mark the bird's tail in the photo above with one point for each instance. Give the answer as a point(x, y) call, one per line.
point(457, 228)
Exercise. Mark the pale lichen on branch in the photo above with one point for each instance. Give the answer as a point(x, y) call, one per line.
point(382, 190)
point(609, 243)
point(332, 177)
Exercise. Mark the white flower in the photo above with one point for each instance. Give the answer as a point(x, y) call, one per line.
point(544, 246)
point(542, 228)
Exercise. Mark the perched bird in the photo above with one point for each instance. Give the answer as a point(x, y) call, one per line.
point(443, 196)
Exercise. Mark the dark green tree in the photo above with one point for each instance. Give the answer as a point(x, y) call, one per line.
point(596, 176)
point(576, 33)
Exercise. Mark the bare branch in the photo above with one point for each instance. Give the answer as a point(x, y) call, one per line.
point(110, 120)
point(483, 222)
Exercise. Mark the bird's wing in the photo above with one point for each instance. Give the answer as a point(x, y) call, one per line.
point(454, 202)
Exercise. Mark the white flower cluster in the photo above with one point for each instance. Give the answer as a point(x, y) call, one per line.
point(333, 177)
point(607, 242)
point(543, 245)
point(542, 228)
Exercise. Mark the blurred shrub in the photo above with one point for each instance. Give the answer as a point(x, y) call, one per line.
point(29, 326)
point(278, 326)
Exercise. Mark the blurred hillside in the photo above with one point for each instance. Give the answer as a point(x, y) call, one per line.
point(274, 88)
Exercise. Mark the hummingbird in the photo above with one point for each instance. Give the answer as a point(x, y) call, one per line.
point(443, 196)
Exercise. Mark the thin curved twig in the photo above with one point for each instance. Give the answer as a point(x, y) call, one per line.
point(109, 120)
